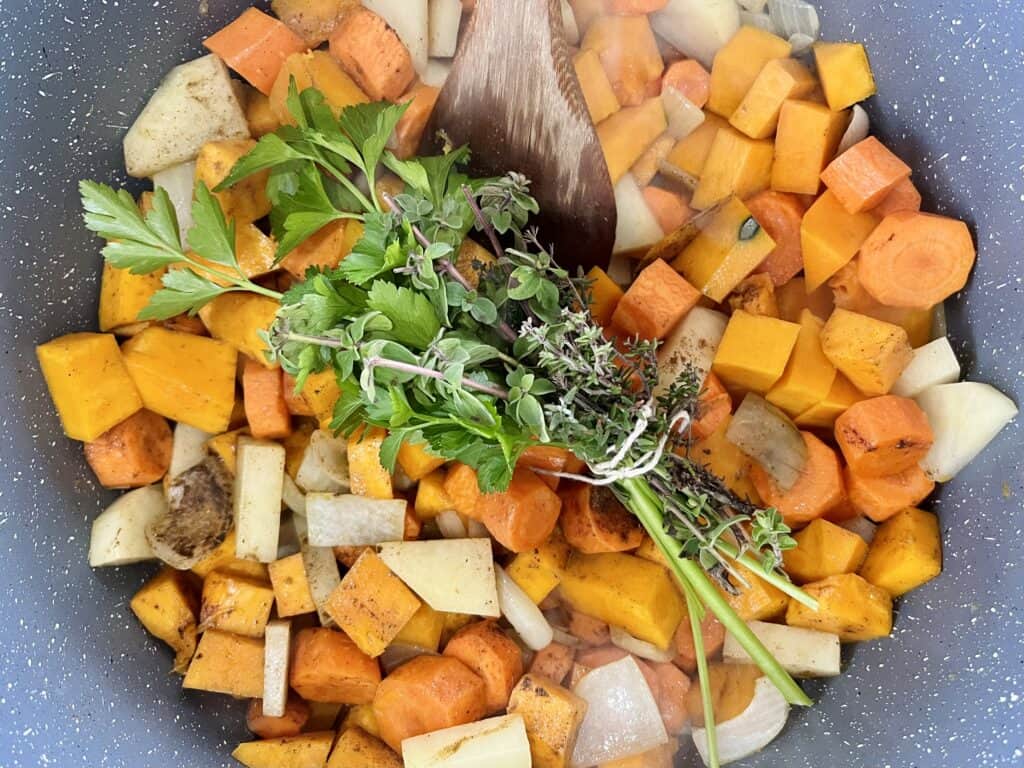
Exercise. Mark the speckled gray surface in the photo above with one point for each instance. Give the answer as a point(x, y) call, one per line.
point(81, 684)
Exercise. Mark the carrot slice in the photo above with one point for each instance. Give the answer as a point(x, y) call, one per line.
point(780, 214)
point(655, 302)
point(372, 54)
point(255, 45)
point(594, 521)
point(903, 197)
point(864, 174)
point(689, 78)
point(522, 516)
point(916, 259)
point(265, 406)
point(670, 209)
point(883, 435)
point(819, 489)
point(713, 408)
point(879, 498)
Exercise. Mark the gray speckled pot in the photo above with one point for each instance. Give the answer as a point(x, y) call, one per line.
point(81, 684)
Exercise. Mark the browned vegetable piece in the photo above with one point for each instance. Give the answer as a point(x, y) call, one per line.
point(327, 666)
point(493, 656)
point(594, 521)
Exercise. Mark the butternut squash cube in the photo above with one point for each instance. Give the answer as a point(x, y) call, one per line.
point(725, 251)
point(824, 549)
point(314, 69)
point(238, 319)
point(472, 260)
point(687, 158)
point(235, 604)
point(628, 133)
point(358, 749)
point(538, 571)
point(806, 140)
point(361, 716)
point(260, 115)
point(736, 166)
point(367, 476)
point(431, 497)
point(725, 460)
point(371, 604)
point(793, 298)
point(629, 54)
point(552, 715)
point(845, 73)
point(754, 351)
point(823, 414)
point(321, 393)
point(227, 663)
point(605, 295)
point(325, 249)
point(308, 750)
point(597, 89)
point(423, 630)
point(223, 559)
point(256, 252)
point(757, 600)
point(184, 377)
point(124, 295)
point(848, 606)
point(247, 200)
point(870, 353)
point(166, 607)
point(225, 447)
point(291, 586)
point(738, 64)
point(780, 79)
point(755, 294)
point(625, 591)
point(809, 375)
point(905, 553)
point(90, 383)
point(830, 237)
point(417, 461)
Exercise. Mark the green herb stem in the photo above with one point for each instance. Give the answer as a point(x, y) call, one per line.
point(704, 678)
point(772, 577)
point(395, 365)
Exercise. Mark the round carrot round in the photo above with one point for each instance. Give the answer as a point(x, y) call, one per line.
point(780, 215)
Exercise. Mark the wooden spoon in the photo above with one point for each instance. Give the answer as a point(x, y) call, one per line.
point(513, 96)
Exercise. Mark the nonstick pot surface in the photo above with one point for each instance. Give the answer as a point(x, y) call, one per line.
point(81, 684)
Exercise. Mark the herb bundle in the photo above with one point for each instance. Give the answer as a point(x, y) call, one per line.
point(478, 358)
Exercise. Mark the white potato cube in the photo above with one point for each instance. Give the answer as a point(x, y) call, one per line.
point(344, 520)
point(445, 17)
point(497, 742)
point(276, 654)
point(179, 181)
point(322, 575)
point(455, 575)
point(259, 478)
point(934, 363)
point(636, 228)
point(801, 652)
point(119, 533)
point(187, 449)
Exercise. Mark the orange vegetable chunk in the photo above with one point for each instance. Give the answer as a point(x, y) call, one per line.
point(371, 53)
point(819, 489)
point(327, 666)
point(689, 78)
point(629, 54)
point(713, 633)
point(605, 295)
point(553, 662)
point(713, 408)
point(296, 714)
point(780, 215)
point(879, 498)
point(255, 45)
point(134, 453)
point(406, 140)
point(903, 197)
point(864, 174)
point(493, 656)
point(594, 521)
point(462, 488)
point(522, 516)
point(883, 435)
point(265, 407)
point(669, 208)
point(655, 302)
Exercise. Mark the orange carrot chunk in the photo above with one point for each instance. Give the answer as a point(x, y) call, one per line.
point(372, 54)
point(780, 215)
point(916, 259)
point(713, 633)
point(328, 667)
point(522, 516)
point(689, 78)
point(296, 403)
point(594, 521)
point(883, 435)
point(255, 45)
point(493, 656)
point(655, 302)
point(713, 407)
point(864, 174)
point(671, 210)
point(903, 197)
point(463, 488)
point(819, 489)
point(588, 630)
point(296, 713)
point(265, 406)
point(879, 498)
point(672, 688)
point(409, 131)
point(131, 454)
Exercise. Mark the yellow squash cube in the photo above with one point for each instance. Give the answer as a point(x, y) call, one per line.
point(809, 375)
point(315, 69)
point(259, 115)
point(238, 319)
point(793, 298)
point(223, 559)
point(824, 413)
point(309, 750)
point(870, 353)
point(757, 600)
point(538, 571)
point(320, 393)
point(806, 140)
point(552, 715)
point(824, 549)
point(597, 88)
point(725, 460)
point(226, 663)
point(628, 133)
point(906, 552)
point(431, 497)
point(235, 604)
point(738, 64)
point(423, 630)
point(605, 295)
point(736, 166)
point(247, 200)
point(830, 236)
point(754, 351)
point(779, 80)
point(184, 377)
point(625, 591)
point(726, 250)
point(89, 382)
point(371, 604)
point(166, 607)
point(361, 716)
point(416, 461)
point(687, 158)
point(848, 606)
point(124, 295)
point(845, 73)
point(291, 586)
point(367, 476)
point(358, 749)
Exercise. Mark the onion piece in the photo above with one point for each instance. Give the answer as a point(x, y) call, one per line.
point(324, 467)
point(770, 437)
point(622, 717)
point(119, 533)
point(620, 270)
point(521, 612)
point(857, 130)
point(759, 20)
point(684, 117)
point(794, 17)
point(451, 525)
point(638, 647)
point(698, 28)
point(861, 526)
point(187, 449)
point(636, 227)
point(800, 43)
point(562, 637)
point(179, 182)
point(293, 497)
point(933, 364)
point(751, 730)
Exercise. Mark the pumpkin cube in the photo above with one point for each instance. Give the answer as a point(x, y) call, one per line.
point(754, 351)
point(239, 319)
point(308, 750)
point(431, 497)
point(905, 553)
point(417, 461)
point(845, 73)
point(830, 237)
point(166, 607)
point(235, 604)
point(358, 749)
point(824, 549)
point(605, 295)
point(629, 54)
point(552, 715)
point(538, 571)
point(314, 69)
point(227, 663)
point(848, 606)
point(736, 166)
point(423, 630)
point(597, 89)
point(687, 158)
point(223, 559)
point(291, 586)
point(628, 133)
point(90, 383)
point(757, 600)
point(806, 140)
point(124, 295)
point(738, 64)
point(758, 114)
point(809, 375)
point(870, 353)
point(225, 447)
point(793, 298)
point(824, 413)
point(367, 476)
point(247, 200)
point(725, 460)
point(725, 251)
point(320, 393)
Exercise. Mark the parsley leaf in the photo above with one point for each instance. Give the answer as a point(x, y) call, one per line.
point(141, 245)
point(184, 291)
point(212, 237)
point(413, 321)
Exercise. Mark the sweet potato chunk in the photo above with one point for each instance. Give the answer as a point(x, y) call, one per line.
point(327, 666)
point(655, 302)
point(409, 131)
point(492, 655)
point(132, 454)
point(883, 435)
point(711, 630)
point(524, 515)
point(371, 52)
point(713, 408)
point(594, 521)
point(291, 723)
point(265, 407)
point(553, 662)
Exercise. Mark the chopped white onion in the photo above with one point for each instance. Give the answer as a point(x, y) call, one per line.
point(965, 418)
point(857, 130)
point(324, 467)
point(636, 227)
point(795, 17)
point(770, 437)
point(638, 647)
point(800, 43)
point(620, 269)
point(450, 524)
point(293, 497)
point(562, 637)
point(698, 28)
point(751, 730)
point(684, 117)
point(522, 613)
point(759, 20)
point(476, 530)
point(622, 717)
point(179, 182)
point(934, 363)
point(861, 526)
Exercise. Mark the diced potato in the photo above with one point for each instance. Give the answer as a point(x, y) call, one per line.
point(738, 64)
point(371, 604)
point(259, 477)
point(238, 319)
point(754, 351)
point(628, 133)
point(195, 103)
point(223, 559)
point(226, 663)
point(538, 571)
point(315, 69)
point(235, 604)
point(870, 353)
point(277, 652)
point(124, 295)
point(780, 79)
point(247, 200)
point(498, 742)
point(848, 606)
point(184, 377)
point(344, 520)
point(801, 652)
point(291, 587)
point(322, 573)
point(809, 375)
point(90, 383)
point(431, 498)
point(806, 140)
point(119, 533)
point(626, 591)
point(309, 750)
point(735, 166)
point(845, 73)
point(830, 237)
point(905, 553)
point(824, 549)
point(367, 476)
point(453, 575)
point(358, 749)
point(552, 716)
point(166, 607)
